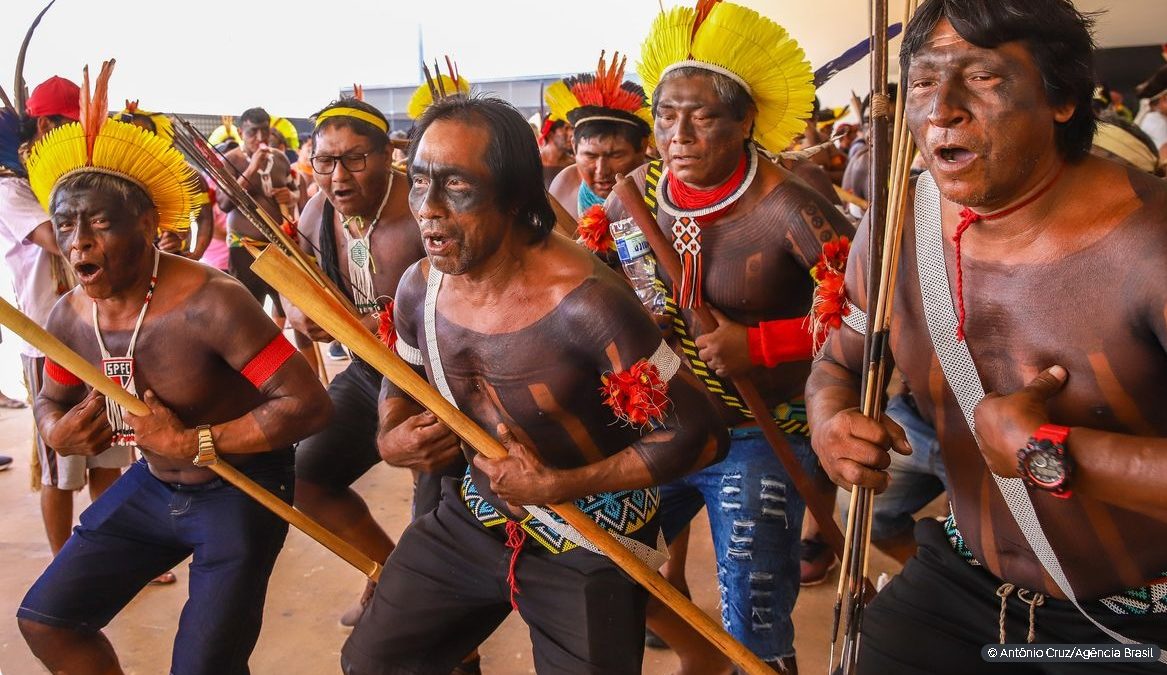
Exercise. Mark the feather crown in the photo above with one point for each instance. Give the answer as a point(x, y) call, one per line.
point(437, 86)
point(225, 132)
point(284, 127)
point(162, 125)
point(735, 41)
point(600, 96)
point(101, 145)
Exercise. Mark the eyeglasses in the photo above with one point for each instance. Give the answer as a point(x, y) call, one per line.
point(326, 164)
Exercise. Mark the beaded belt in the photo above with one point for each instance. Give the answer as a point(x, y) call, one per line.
point(622, 512)
point(1149, 599)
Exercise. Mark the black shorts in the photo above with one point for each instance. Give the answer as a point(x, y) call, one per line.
point(935, 616)
point(444, 590)
point(239, 266)
point(336, 457)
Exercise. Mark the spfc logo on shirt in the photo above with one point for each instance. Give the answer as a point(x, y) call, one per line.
point(120, 370)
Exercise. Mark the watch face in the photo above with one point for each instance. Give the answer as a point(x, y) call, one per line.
point(1045, 465)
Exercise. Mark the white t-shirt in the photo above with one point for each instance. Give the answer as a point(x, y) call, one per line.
point(1155, 124)
point(30, 265)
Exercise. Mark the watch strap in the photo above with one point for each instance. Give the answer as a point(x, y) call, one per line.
point(1052, 432)
point(206, 454)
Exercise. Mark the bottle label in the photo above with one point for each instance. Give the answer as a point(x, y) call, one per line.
point(631, 246)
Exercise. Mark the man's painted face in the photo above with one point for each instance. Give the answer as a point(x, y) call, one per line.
point(600, 158)
point(699, 140)
point(254, 135)
point(102, 239)
point(452, 197)
point(980, 118)
point(351, 192)
point(561, 138)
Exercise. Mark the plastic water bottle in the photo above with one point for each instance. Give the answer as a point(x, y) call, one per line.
point(639, 263)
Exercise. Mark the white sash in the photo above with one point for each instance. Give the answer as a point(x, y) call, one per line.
point(961, 374)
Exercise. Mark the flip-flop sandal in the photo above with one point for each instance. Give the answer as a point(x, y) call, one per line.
point(164, 579)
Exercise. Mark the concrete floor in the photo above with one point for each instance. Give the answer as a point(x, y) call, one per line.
point(309, 589)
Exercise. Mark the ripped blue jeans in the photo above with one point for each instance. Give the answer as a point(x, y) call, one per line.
point(755, 516)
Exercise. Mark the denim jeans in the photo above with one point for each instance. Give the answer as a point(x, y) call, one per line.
point(141, 527)
point(755, 517)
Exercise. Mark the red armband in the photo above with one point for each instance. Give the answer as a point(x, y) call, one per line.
point(269, 359)
point(780, 341)
point(60, 375)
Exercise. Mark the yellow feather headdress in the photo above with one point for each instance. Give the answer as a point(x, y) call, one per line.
point(162, 124)
point(284, 127)
point(747, 47)
point(437, 86)
point(225, 132)
point(603, 95)
point(101, 145)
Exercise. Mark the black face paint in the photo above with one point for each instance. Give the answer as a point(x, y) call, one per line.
point(101, 238)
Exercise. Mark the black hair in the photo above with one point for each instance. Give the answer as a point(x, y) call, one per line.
point(130, 194)
point(731, 93)
point(28, 125)
point(256, 116)
point(1057, 35)
point(512, 157)
point(634, 134)
point(555, 125)
point(360, 127)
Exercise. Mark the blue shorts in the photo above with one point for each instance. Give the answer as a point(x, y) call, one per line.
point(142, 527)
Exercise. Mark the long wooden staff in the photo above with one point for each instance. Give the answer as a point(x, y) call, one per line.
point(889, 188)
point(822, 510)
point(283, 275)
point(60, 353)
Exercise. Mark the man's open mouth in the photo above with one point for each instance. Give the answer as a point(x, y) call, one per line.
point(436, 243)
point(954, 154)
point(86, 271)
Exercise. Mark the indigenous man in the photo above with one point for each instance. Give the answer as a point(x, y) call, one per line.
point(267, 176)
point(1071, 437)
point(361, 230)
point(39, 277)
point(609, 137)
point(554, 147)
point(233, 386)
point(521, 329)
point(748, 232)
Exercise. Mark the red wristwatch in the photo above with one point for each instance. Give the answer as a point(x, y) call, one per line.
point(1044, 463)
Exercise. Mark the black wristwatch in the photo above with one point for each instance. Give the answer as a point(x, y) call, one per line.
point(1044, 463)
